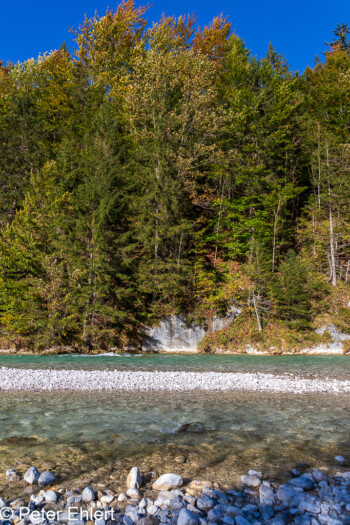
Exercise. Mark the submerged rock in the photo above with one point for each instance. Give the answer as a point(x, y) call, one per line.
point(340, 459)
point(11, 474)
point(195, 428)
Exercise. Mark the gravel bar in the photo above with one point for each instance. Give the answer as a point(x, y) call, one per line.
point(111, 380)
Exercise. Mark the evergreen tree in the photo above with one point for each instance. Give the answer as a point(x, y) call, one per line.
point(290, 292)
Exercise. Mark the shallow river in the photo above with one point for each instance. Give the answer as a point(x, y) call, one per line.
point(91, 437)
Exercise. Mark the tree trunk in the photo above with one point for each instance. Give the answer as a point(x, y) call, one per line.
point(332, 240)
point(275, 231)
point(332, 248)
point(257, 313)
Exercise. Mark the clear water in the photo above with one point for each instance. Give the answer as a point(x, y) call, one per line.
point(97, 437)
point(321, 366)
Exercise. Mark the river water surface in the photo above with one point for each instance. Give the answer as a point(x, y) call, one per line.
point(96, 437)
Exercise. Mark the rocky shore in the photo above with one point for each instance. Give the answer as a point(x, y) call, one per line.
point(114, 380)
point(309, 497)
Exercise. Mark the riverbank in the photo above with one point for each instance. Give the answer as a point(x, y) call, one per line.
point(12, 379)
point(308, 496)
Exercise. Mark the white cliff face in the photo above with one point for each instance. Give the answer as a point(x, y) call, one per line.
point(174, 334)
point(334, 332)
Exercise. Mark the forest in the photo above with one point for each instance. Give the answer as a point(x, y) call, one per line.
point(163, 169)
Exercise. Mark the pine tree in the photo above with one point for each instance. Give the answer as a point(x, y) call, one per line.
point(290, 292)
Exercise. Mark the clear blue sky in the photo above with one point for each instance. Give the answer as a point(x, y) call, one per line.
point(295, 28)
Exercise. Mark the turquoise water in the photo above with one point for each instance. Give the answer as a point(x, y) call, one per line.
point(97, 437)
point(76, 434)
point(322, 366)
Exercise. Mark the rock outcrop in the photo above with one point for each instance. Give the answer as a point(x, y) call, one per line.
point(176, 334)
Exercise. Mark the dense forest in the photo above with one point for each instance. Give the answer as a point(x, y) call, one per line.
point(163, 169)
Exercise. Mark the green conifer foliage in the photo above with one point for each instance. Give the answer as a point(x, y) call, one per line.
point(291, 294)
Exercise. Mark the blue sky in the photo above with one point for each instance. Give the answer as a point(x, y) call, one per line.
point(296, 28)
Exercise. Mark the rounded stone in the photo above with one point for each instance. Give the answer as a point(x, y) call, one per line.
point(88, 494)
point(11, 474)
point(148, 520)
point(107, 499)
point(205, 502)
point(251, 480)
point(303, 482)
point(32, 475)
point(318, 475)
point(133, 493)
point(167, 482)
point(266, 495)
point(46, 478)
point(152, 509)
point(51, 496)
point(180, 459)
point(340, 459)
point(186, 517)
point(133, 481)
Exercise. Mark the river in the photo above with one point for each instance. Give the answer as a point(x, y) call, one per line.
point(90, 437)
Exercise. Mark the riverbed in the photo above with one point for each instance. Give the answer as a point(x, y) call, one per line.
point(88, 437)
